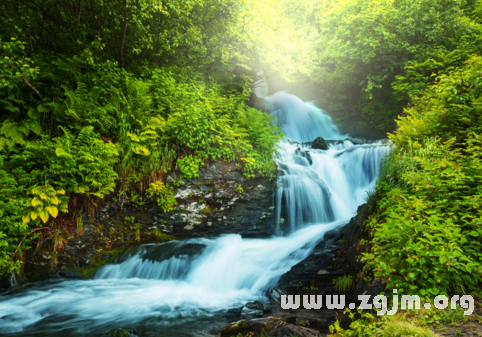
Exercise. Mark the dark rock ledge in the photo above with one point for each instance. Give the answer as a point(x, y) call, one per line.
point(220, 201)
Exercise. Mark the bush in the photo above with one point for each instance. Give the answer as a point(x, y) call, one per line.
point(163, 195)
point(426, 233)
point(427, 230)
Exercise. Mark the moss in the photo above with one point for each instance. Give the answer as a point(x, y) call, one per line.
point(159, 236)
point(100, 260)
point(206, 211)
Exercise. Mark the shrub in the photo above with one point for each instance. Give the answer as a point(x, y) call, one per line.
point(426, 234)
point(163, 195)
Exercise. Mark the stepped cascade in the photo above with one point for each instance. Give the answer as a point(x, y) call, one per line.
point(171, 286)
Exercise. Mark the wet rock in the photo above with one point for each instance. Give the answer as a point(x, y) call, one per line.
point(270, 326)
point(304, 154)
point(319, 143)
point(208, 206)
point(250, 314)
point(257, 305)
point(125, 333)
point(357, 141)
point(336, 255)
point(274, 294)
point(234, 312)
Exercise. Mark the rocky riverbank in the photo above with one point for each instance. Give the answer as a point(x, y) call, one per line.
point(220, 201)
point(336, 255)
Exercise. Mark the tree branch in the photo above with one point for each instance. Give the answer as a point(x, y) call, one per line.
point(18, 247)
point(35, 90)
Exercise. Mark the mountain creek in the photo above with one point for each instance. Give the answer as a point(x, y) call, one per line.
point(229, 250)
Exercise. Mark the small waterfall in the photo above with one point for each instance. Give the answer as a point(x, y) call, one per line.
point(175, 285)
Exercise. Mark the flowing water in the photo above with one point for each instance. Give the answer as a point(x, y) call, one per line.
point(184, 288)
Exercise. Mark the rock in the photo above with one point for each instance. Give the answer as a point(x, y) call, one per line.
point(270, 326)
point(336, 255)
point(200, 203)
point(275, 294)
point(125, 333)
point(256, 305)
point(319, 143)
point(234, 312)
point(373, 288)
point(250, 314)
point(357, 141)
point(304, 154)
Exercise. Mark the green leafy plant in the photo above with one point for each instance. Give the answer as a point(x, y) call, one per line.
point(189, 166)
point(46, 202)
point(343, 284)
point(163, 194)
point(80, 224)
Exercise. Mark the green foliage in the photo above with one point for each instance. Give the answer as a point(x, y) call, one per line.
point(140, 88)
point(426, 233)
point(46, 202)
point(343, 284)
point(449, 108)
point(407, 322)
point(82, 164)
point(163, 195)
point(221, 126)
point(13, 206)
point(372, 56)
point(366, 324)
point(189, 166)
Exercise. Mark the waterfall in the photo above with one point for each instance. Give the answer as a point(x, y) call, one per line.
point(319, 186)
point(170, 285)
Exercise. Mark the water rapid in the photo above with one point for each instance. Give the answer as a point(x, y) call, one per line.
point(180, 285)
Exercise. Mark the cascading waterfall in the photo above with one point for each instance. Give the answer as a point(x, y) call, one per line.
point(318, 186)
point(177, 283)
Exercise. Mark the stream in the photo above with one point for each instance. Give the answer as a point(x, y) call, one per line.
point(183, 288)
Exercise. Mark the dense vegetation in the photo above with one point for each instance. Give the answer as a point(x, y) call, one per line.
point(426, 229)
point(103, 97)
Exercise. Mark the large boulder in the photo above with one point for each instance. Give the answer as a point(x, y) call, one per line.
point(270, 326)
point(319, 143)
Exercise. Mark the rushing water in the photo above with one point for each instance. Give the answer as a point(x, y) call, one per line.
point(184, 288)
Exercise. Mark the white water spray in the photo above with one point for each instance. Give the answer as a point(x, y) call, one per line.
point(319, 185)
point(176, 282)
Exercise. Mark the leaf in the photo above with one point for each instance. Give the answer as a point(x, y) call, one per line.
point(26, 219)
point(133, 137)
point(52, 210)
point(33, 215)
point(36, 202)
point(60, 152)
point(44, 215)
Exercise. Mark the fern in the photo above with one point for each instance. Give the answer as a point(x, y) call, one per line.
point(12, 132)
